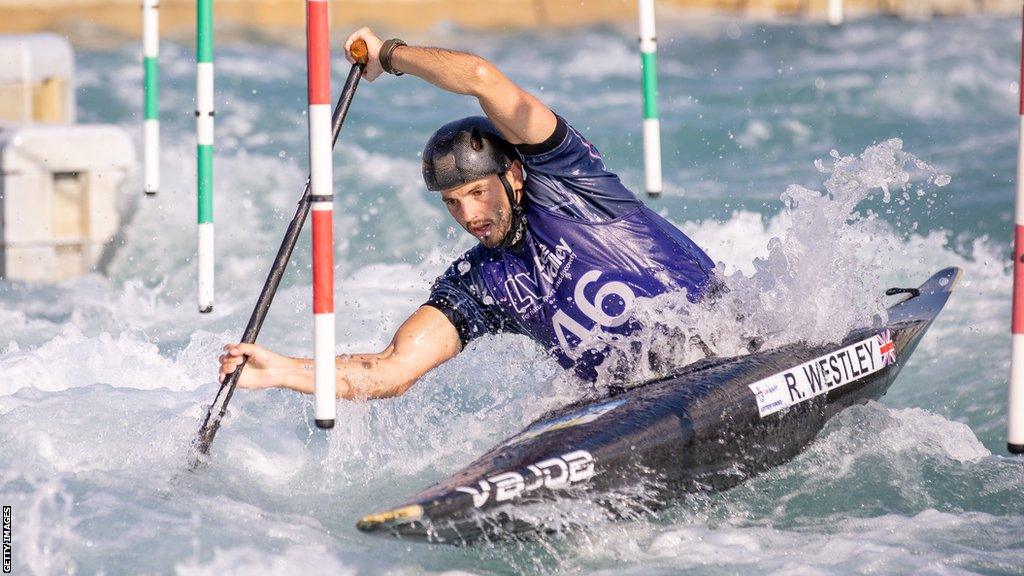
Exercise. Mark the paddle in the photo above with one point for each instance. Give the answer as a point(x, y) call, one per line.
point(211, 423)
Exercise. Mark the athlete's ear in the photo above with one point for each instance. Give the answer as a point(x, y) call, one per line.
point(515, 174)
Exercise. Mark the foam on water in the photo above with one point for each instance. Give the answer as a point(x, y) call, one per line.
point(105, 378)
point(787, 297)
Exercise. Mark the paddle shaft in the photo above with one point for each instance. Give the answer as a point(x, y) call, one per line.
point(220, 404)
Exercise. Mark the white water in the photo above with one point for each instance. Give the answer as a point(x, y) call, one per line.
point(787, 298)
point(105, 378)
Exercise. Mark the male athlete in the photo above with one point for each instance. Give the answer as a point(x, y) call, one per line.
point(565, 249)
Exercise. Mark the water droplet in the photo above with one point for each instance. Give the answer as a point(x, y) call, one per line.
point(464, 266)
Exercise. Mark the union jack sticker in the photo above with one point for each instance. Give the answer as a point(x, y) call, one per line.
point(886, 348)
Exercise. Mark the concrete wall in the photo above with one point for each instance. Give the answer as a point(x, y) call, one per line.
point(110, 18)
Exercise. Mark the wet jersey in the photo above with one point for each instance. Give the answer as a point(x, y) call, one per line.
point(589, 251)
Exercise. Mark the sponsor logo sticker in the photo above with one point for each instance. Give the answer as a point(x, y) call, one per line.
point(818, 376)
point(553, 473)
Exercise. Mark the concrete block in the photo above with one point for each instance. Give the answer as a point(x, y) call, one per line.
point(59, 197)
point(37, 78)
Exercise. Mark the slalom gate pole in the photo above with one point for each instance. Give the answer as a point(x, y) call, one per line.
point(1015, 410)
point(204, 152)
point(215, 414)
point(151, 98)
point(321, 178)
point(652, 126)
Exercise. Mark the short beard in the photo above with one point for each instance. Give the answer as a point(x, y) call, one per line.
point(502, 225)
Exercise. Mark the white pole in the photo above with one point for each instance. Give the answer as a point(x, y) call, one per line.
point(652, 126)
point(835, 12)
point(151, 115)
point(1015, 411)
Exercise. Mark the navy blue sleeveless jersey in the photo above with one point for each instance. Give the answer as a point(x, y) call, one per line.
point(590, 250)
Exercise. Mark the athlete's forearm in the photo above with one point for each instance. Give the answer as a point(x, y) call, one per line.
point(465, 74)
point(423, 342)
point(520, 116)
point(357, 377)
point(450, 70)
point(371, 376)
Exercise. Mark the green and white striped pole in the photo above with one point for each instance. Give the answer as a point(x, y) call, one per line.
point(652, 126)
point(204, 150)
point(151, 99)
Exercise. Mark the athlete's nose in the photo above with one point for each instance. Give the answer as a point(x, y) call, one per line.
point(471, 213)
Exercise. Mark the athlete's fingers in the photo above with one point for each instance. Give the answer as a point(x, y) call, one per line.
point(361, 33)
point(227, 366)
point(246, 349)
point(355, 35)
point(230, 359)
point(348, 46)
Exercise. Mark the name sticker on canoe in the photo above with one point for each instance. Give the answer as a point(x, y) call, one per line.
point(818, 376)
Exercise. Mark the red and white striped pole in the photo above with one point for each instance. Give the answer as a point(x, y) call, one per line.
point(1015, 412)
point(321, 179)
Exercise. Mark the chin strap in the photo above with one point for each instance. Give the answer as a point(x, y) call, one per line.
point(518, 224)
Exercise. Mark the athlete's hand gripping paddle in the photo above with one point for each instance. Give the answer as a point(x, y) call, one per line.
point(211, 423)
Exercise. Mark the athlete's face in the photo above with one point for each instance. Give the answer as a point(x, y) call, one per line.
point(482, 207)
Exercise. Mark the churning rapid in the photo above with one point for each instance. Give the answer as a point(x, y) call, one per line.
point(817, 166)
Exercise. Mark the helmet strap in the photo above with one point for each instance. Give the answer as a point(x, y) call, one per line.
point(518, 224)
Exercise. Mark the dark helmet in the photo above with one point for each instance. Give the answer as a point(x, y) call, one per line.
point(463, 151)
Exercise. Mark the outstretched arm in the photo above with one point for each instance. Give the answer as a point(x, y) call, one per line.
point(424, 341)
point(521, 117)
